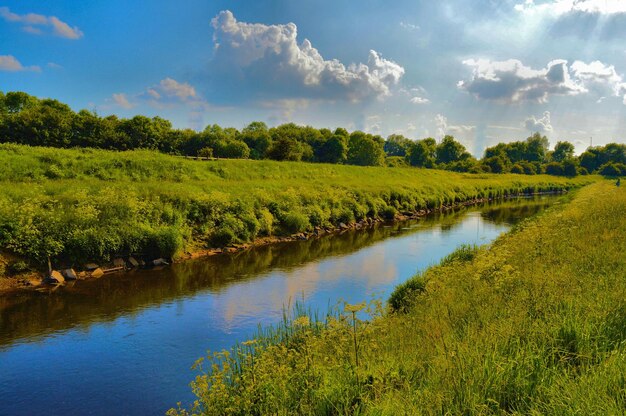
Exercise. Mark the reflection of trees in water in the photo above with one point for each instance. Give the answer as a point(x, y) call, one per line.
point(32, 313)
point(512, 211)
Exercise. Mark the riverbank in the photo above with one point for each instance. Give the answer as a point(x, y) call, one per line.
point(82, 205)
point(534, 323)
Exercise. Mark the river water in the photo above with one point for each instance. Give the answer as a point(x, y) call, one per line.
point(124, 344)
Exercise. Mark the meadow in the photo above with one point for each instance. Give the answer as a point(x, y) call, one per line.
point(533, 324)
point(78, 205)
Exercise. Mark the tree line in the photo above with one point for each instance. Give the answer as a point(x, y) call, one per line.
point(26, 119)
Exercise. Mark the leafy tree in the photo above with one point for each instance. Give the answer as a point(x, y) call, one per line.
point(286, 148)
point(496, 164)
point(449, 150)
point(536, 148)
point(554, 168)
point(423, 153)
point(570, 167)
point(334, 150)
point(562, 151)
point(365, 150)
point(397, 145)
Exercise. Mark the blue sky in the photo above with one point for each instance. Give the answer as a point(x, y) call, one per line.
point(484, 71)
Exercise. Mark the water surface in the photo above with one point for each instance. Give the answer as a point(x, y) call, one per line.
point(124, 344)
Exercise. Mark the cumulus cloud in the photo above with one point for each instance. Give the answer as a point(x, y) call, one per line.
point(170, 89)
point(11, 64)
point(35, 23)
point(121, 100)
point(512, 81)
point(600, 78)
point(541, 125)
point(419, 100)
point(167, 93)
point(270, 61)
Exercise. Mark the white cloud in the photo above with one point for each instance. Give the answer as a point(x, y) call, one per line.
point(31, 22)
point(512, 81)
point(122, 100)
point(169, 87)
point(11, 64)
point(409, 26)
point(541, 125)
point(420, 100)
point(601, 78)
point(561, 7)
point(269, 58)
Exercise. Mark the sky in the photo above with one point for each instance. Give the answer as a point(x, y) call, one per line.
point(484, 71)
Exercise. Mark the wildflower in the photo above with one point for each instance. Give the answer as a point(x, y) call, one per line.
point(354, 308)
point(302, 321)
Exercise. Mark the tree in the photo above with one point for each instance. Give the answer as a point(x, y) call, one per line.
point(397, 145)
point(365, 150)
point(562, 151)
point(334, 150)
point(286, 148)
point(536, 148)
point(449, 150)
point(423, 153)
point(496, 164)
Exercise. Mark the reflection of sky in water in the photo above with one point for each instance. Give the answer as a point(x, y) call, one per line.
point(138, 363)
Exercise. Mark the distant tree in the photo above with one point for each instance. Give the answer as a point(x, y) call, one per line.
point(423, 153)
point(334, 150)
point(536, 148)
point(562, 151)
point(286, 148)
point(554, 168)
point(496, 164)
point(231, 149)
point(570, 167)
point(365, 150)
point(258, 139)
point(397, 145)
point(449, 150)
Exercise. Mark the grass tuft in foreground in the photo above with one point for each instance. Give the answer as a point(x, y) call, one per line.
point(533, 324)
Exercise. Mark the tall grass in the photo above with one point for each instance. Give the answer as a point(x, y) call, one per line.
point(533, 324)
point(85, 204)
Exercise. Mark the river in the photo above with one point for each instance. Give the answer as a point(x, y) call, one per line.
point(124, 343)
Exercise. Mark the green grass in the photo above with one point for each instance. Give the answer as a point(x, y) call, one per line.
point(533, 324)
point(84, 204)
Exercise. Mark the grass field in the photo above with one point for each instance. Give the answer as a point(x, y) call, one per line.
point(87, 205)
point(533, 324)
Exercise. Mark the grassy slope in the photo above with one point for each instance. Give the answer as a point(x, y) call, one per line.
point(534, 324)
point(88, 204)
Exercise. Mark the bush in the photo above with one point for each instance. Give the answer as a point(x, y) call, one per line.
point(518, 169)
point(465, 252)
point(612, 169)
point(389, 213)
point(17, 267)
point(296, 222)
point(403, 295)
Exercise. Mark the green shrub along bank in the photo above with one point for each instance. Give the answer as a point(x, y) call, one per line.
point(533, 324)
point(84, 204)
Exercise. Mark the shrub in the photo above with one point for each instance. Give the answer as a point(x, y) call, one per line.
point(403, 295)
point(465, 252)
point(296, 222)
point(389, 213)
point(17, 267)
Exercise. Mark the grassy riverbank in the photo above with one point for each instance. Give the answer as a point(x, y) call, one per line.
point(87, 205)
point(533, 324)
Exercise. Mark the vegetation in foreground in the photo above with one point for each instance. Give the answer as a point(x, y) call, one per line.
point(87, 205)
point(534, 324)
